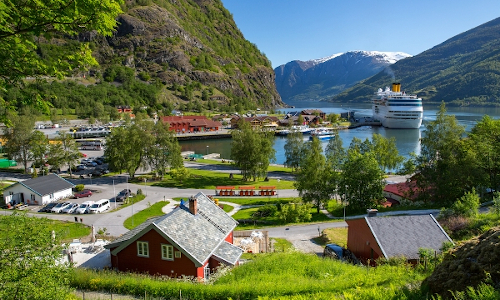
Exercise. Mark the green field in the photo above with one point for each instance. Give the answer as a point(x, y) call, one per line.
point(150, 212)
point(202, 179)
point(285, 275)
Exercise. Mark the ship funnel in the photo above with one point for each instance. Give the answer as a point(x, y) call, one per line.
point(396, 87)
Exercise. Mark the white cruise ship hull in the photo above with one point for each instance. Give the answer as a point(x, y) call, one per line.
point(396, 117)
point(396, 109)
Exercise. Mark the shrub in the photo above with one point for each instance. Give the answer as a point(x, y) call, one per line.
point(139, 192)
point(79, 187)
point(268, 210)
point(468, 204)
point(295, 213)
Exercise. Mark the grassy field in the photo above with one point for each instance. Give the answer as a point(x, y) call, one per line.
point(150, 212)
point(246, 214)
point(202, 179)
point(285, 275)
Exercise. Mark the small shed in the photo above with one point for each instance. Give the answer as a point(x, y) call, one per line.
point(369, 238)
point(38, 191)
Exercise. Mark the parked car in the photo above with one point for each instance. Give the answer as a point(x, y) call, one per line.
point(124, 194)
point(81, 167)
point(48, 207)
point(59, 207)
point(99, 206)
point(336, 252)
point(70, 208)
point(96, 173)
point(84, 207)
point(84, 193)
point(91, 164)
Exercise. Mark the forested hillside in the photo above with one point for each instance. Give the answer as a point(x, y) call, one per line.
point(180, 54)
point(464, 70)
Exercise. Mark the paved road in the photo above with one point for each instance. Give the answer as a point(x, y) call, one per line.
point(107, 187)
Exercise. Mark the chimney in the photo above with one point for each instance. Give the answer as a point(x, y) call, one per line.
point(193, 205)
point(371, 212)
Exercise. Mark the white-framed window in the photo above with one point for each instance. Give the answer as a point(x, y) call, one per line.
point(143, 249)
point(177, 254)
point(167, 252)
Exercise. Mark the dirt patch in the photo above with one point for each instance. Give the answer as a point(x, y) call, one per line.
point(471, 263)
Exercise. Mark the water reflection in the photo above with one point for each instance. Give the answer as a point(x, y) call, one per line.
point(407, 140)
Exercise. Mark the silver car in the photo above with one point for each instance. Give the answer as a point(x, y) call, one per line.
point(70, 208)
point(59, 207)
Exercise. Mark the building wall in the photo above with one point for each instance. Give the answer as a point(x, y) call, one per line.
point(361, 241)
point(127, 259)
point(29, 197)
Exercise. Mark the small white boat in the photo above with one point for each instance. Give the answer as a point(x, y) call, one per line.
point(322, 134)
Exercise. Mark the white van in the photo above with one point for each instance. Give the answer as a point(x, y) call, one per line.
point(99, 206)
point(84, 207)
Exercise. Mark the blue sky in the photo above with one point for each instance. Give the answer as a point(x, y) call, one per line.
point(287, 30)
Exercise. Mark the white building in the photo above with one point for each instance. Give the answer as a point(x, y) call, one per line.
point(38, 191)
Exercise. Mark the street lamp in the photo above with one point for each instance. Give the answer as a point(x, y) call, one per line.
point(145, 179)
point(207, 149)
point(90, 175)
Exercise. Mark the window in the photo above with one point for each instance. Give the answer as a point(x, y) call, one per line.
point(167, 252)
point(142, 249)
point(177, 254)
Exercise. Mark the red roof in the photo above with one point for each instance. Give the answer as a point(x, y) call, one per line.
point(403, 189)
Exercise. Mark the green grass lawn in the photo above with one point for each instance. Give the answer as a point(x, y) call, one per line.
point(202, 179)
point(150, 212)
point(259, 200)
point(246, 214)
point(132, 200)
point(283, 275)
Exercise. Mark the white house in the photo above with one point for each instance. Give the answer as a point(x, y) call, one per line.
point(38, 191)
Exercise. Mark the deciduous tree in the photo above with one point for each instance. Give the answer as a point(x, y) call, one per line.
point(362, 181)
point(313, 178)
point(24, 25)
point(30, 260)
point(252, 150)
point(19, 138)
point(165, 151)
point(294, 150)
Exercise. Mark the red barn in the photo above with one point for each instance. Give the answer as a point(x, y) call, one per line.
point(395, 236)
point(192, 240)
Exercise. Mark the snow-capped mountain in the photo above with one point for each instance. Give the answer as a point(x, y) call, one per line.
point(323, 78)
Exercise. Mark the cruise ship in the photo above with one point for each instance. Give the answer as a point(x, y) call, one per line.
point(396, 109)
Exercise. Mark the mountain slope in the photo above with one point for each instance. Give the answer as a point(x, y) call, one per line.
point(464, 70)
point(190, 52)
point(321, 79)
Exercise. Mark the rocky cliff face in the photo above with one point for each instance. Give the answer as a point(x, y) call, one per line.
point(181, 42)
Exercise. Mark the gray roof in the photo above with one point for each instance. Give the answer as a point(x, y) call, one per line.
point(198, 236)
point(405, 235)
point(45, 185)
point(228, 252)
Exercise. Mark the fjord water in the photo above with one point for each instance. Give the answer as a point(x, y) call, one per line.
point(407, 140)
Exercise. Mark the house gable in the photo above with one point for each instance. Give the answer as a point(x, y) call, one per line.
point(199, 233)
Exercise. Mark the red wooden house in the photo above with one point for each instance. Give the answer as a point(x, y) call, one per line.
point(192, 240)
point(395, 236)
point(185, 124)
